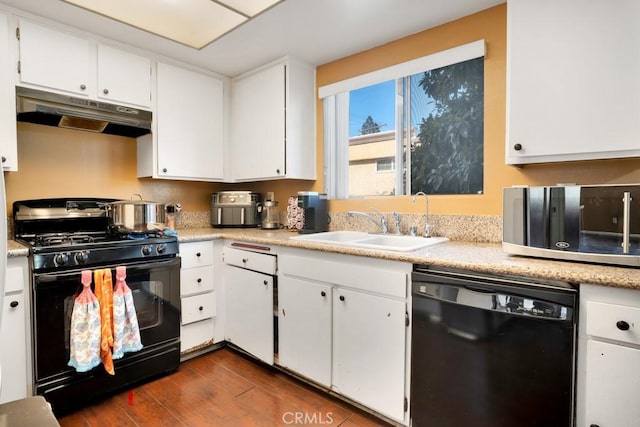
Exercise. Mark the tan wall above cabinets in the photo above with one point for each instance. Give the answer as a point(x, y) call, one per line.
point(490, 25)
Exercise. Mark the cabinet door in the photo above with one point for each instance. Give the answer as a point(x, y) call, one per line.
point(258, 124)
point(123, 76)
point(190, 124)
point(572, 86)
point(612, 382)
point(304, 328)
point(8, 136)
point(13, 357)
point(369, 350)
point(55, 59)
point(249, 311)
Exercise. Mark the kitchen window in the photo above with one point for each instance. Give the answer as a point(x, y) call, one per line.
point(421, 122)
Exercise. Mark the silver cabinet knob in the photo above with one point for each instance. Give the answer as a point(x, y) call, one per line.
point(83, 87)
point(105, 91)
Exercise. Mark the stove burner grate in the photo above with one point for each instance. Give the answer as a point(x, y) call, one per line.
point(58, 239)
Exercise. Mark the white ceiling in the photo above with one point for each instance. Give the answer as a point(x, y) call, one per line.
point(316, 31)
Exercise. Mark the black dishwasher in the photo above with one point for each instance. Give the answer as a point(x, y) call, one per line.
point(491, 351)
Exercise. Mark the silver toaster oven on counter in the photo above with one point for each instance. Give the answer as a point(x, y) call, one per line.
point(590, 223)
point(235, 209)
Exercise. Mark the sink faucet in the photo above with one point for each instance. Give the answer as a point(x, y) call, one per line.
point(381, 223)
point(427, 227)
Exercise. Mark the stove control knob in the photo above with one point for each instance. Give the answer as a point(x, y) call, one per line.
point(81, 257)
point(146, 250)
point(161, 248)
point(60, 259)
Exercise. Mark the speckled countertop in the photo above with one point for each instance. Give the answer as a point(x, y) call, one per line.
point(479, 257)
point(15, 249)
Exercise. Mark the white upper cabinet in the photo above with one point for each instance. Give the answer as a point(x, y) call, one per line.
point(273, 123)
point(188, 137)
point(123, 76)
point(573, 91)
point(8, 134)
point(53, 59)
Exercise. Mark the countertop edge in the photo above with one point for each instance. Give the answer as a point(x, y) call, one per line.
point(479, 257)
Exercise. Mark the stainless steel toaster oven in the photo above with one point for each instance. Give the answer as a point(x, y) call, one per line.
point(235, 209)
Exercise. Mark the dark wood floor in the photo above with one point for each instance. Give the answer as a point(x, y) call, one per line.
point(221, 388)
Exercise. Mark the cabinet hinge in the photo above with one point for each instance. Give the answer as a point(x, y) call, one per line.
point(406, 404)
point(19, 67)
point(406, 318)
point(18, 33)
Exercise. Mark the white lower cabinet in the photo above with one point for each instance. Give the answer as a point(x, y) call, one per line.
point(249, 302)
point(342, 322)
point(14, 334)
point(611, 385)
point(199, 324)
point(304, 328)
point(608, 357)
point(369, 350)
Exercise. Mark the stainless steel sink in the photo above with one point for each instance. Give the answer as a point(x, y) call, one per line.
point(360, 239)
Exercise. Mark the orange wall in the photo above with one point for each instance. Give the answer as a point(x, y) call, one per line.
point(58, 162)
point(489, 25)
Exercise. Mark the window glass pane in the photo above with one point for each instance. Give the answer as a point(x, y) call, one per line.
point(447, 127)
point(372, 138)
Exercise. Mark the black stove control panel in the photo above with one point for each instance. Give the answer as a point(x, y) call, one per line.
point(103, 254)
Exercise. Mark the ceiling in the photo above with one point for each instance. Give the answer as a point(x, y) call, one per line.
point(316, 31)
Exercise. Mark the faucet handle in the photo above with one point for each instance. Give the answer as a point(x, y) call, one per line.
point(383, 225)
point(396, 222)
point(427, 230)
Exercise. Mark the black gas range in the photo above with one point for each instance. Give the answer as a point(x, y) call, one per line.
point(66, 237)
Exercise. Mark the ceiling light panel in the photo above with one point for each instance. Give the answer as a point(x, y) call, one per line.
point(194, 23)
point(249, 7)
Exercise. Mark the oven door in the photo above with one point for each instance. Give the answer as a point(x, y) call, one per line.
point(155, 287)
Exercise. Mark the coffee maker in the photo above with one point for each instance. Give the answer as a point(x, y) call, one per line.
point(314, 206)
point(270, 213)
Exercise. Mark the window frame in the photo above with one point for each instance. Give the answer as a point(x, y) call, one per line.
point(335, 97)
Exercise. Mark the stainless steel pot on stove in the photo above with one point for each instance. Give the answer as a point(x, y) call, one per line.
point(136, 216)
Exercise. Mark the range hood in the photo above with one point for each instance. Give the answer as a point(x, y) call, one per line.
point(51, 109)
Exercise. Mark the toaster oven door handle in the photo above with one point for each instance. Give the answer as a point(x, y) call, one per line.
point(219, 216)
point(242, 216)
point(626, 209)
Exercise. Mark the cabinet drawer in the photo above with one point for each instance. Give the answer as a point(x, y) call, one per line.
point(198, 307)
point(196, 254)
point(613, 322)
point(197, 335)
point(196, 280)
point(263, 263)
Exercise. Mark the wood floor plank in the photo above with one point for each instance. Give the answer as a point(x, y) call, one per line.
point(221, 388)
